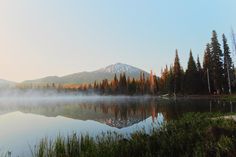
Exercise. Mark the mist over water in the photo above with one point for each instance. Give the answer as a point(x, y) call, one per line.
point(30, 97)
point(50, 93)
point(26, 116)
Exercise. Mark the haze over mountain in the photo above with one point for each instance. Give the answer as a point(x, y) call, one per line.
point(89, 77)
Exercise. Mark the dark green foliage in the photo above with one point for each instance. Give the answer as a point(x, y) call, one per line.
point(177, 74)
point(207, 69)
point(115, 84)
point(228, 65)
point(200, 78)
point(132, 85)
point(170, 81)
point(191, 76)
point(217, 64)
point(195, 134)
point(122, 84)
point(173, 80)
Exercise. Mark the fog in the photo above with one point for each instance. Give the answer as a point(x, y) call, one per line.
point(19, 96)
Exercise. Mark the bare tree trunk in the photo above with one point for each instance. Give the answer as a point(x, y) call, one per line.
point(208, 81)
point(229, 81)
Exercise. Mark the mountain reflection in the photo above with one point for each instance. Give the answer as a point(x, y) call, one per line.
point(117, 113)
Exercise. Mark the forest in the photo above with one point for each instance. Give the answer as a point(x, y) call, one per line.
point(215, 75)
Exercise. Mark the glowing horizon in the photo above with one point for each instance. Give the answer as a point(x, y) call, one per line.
point(47, 38)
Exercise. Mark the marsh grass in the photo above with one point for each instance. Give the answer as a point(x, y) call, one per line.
point(192, 135)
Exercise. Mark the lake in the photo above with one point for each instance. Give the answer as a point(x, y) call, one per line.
point(26, 120)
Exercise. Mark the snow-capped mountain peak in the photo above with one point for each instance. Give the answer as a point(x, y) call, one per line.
point(120, 68)
point(97, 75)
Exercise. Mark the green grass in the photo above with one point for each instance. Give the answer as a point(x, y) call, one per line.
point(192, 135)
point(228, 97)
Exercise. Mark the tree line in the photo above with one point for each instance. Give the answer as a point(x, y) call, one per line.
point(215, 75)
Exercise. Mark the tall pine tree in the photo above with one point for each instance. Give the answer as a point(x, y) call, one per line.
point(217, 63)
point(171, 80)
point(200, 85)
point(115, 85)
point(177, 74)
point(207, 69)
point(228, 66)
point(191, 80)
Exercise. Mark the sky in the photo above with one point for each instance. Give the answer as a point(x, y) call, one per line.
point(58, 37)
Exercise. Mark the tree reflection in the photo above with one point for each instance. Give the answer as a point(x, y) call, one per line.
point(122, 113)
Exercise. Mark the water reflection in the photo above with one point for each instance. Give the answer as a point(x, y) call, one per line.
point(21, 130)
point(117, 113)
point(26, 121)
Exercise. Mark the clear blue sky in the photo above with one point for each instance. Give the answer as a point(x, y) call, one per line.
point(58, 37)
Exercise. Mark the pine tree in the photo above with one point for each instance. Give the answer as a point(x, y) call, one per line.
point(228, 66)
point(207, 69)
point(207, 58)
point(170, 81)
point(155, 85)
point(163, 82)
point(177, 74)
point(191, 63)
point(191, 80)
point(151, 81)
point(123, 84)
point(200, 84)
point(133, 87)
point(142, 83)
point(217, 64)
point(95, 86)
point(199, 67)
point(115, 84)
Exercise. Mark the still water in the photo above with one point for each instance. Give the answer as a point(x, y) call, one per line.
point(24, 121)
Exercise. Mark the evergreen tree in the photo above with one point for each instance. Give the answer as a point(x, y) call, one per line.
point(191, 80)
point(207, 69)
point(122, 84)
point(199, 67)
point(207, 58)
point(170, 81)
point(132, 87)
point(155, 85)
point(115, 84)
point(200, 84)
point(151, 81)
point(142, 83)
point(217, 63)
point(95, 86)
point(228, 66)
point(147, 85)
point(163, 82)
point(177, 74)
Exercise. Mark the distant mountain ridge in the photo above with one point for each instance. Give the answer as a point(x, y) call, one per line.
point(120, 68)
point(89, 77)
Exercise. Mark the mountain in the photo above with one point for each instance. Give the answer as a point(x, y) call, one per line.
point(120, 68)
point(89, 77)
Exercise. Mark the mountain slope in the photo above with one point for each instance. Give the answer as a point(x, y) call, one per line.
point(120, 68)
point(89, 77)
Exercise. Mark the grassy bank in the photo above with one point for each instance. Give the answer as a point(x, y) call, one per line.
point(229, 97)
point(192, 135)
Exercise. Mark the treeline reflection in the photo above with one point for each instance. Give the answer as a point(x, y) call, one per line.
point(122, 113)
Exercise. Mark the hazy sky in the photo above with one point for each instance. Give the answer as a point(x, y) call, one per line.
point(58, 37)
